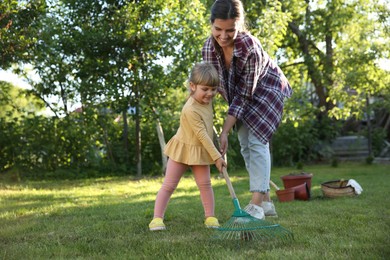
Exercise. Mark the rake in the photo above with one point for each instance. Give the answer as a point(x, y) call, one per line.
point(242, 226)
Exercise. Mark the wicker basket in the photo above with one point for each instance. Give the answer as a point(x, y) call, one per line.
point(337, 188)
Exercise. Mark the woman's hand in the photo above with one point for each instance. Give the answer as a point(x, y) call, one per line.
point(223, 143)
point(223, 138)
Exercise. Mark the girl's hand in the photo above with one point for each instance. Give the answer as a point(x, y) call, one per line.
point(220, 163)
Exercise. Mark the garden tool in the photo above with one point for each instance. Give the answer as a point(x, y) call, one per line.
point(242, 226)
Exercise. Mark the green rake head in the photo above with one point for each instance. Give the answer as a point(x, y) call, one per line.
point(238, 212)
point(250, 228)
point(242, 226)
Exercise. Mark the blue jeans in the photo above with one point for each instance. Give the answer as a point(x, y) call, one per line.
point(257, 160)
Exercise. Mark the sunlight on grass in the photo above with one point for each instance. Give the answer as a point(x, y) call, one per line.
point(28, 200)
point(107, 218)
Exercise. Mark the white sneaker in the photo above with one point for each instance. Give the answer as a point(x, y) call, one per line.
point(255, 211)
point(269, 209)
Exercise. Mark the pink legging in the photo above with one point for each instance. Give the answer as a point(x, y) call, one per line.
point(173, 175)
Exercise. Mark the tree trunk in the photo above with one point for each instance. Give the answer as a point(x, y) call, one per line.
point(138, 135)
point(125, 136)
point(313, 71)
point(369, 136)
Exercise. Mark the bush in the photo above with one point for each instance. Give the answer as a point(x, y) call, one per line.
point(299, 142)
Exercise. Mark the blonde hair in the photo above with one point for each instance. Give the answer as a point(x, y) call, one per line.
point(204, 73)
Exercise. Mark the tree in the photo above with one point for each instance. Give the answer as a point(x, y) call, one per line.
point(18, 30)
point(332, 50)
point(330, 41)
point(110, 52)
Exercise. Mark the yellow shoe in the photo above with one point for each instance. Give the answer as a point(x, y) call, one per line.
point(211, 222)
point(156, 224)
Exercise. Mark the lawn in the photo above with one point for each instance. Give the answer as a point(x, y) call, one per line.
point(107, 218)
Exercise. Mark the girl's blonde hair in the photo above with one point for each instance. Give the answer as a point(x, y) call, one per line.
point(204, 73)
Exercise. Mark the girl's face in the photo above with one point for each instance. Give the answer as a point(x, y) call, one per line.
point(203, 94)
point(224, 32)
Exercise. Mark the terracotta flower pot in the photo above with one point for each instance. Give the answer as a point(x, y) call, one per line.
point(295, 179)
point(285, 195)
point(302, 192)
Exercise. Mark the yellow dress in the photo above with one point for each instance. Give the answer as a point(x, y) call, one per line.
point(192, 144)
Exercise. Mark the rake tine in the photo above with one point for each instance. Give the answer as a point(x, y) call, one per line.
point(242, 226)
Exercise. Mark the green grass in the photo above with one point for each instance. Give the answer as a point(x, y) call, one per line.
point(108, 218)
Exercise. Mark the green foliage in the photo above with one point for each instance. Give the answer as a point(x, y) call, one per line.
point(90, 139)
point(39, 144)
point(107, 56)
point(335, 162)
point(294, 142)
point(332, 41)
point(268, 21)
point(16, 102)
point(18, 30)
point(369, 160)
point(112, 53)
point(303, 141)
point(378, 138)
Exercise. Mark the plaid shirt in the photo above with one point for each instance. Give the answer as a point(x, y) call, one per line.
point(255, 87)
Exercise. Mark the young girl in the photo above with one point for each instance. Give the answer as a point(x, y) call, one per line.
point(192, 146)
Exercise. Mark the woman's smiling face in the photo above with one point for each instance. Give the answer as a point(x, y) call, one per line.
point(224, 32)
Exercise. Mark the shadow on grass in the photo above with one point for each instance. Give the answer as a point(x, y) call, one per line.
point(107, 224)
point(62, 225)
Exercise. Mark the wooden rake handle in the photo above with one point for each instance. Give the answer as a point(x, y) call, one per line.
point(229, 183)
point(274, 185)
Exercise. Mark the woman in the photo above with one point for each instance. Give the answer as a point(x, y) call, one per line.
point(255, 88)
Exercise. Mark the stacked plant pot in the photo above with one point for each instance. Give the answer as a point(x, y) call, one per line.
point(297, 186)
